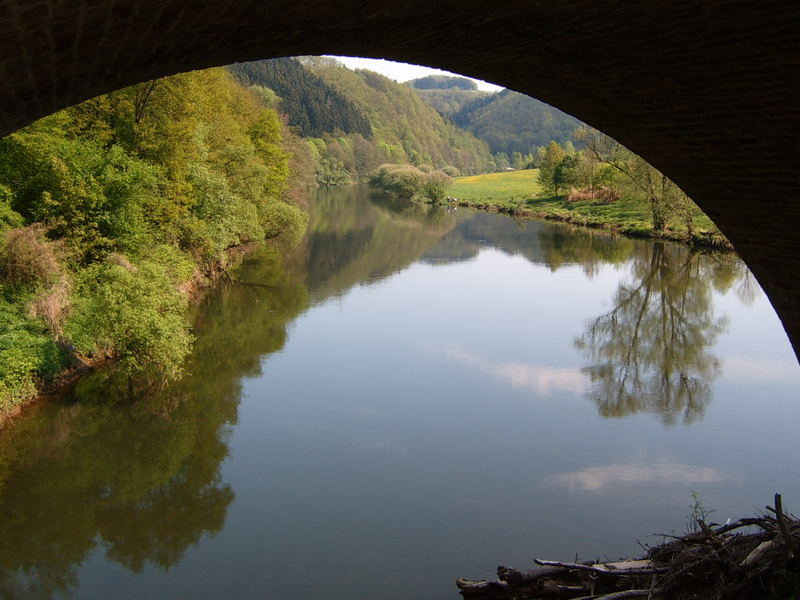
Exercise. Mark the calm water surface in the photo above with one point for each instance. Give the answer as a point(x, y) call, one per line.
point(412, 396)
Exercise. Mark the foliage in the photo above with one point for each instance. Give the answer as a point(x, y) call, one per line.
point(404, 128)
point(8, 216)
point(406, 181)
point(664, 198)
point(108, 207)
point(448, 102)
point(312, 106)
point(512, 122)
point(133, 313)
point(27, 354)
point(435, 186)
point(403, 181)
point(520, 193)
point(27, 258)
point(442, 82)
point(550, 157)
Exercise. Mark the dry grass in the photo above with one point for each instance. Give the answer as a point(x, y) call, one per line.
point(28, 257)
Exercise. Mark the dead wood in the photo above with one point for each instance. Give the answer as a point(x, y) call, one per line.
point(754, 557)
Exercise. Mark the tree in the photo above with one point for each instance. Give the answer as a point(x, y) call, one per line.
point(664, 198)
point(549, 158)
point(565, 173)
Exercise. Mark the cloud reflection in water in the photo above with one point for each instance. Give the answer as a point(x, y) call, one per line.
point(542, 379)
point(598, 478)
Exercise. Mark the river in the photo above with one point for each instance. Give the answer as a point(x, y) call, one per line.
point(413, 395)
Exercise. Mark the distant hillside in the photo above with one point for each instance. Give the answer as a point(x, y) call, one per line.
point(450, 101)
point(405, 129)
point(447, 94)
point(511, 122)
point(353, 121)
point(312, 106)
point(442, 82)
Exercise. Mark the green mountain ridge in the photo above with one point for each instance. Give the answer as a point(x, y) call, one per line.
point(402, 128)
point(512, 122)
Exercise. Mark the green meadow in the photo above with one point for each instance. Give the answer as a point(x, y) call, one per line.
point(519, 193)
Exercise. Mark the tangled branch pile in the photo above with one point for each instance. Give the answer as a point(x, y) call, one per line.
point(751, 558)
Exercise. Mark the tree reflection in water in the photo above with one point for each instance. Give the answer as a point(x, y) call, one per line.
point(137, 476)
point(652, 351)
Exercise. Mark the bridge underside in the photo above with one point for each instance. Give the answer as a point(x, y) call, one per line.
point(707, 92)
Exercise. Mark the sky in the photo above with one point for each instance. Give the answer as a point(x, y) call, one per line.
point(403, 71)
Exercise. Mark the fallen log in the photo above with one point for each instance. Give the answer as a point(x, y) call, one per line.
point(754, 557)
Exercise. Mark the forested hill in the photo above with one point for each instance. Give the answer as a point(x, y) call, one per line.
point(442, 82)
point(402, 128)
point(312, 106)
point(507, 121)
point(512, 122)
point(446, 94)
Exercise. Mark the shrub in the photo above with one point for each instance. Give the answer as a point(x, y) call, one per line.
point(135, 314)
point(435, 185)
point(601, 195)
point(450, 171)
point(403, 181)
point(26, 354)
point(27, 257)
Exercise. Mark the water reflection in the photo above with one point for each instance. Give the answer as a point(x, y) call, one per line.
point(137, 477)
point(541, 379)
point(357, 238)
point(664, 472)
point(134, 473)
point(652, 351)
point(133, 469)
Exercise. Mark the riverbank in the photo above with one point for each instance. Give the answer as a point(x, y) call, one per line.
point(80, 365)
point(519, 194)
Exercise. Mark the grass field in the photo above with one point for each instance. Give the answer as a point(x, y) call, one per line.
point(498, 186)
point(519, 193)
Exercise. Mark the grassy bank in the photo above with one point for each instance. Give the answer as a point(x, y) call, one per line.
point(519, 193)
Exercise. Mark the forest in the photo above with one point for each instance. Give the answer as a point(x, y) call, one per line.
point(368, 120)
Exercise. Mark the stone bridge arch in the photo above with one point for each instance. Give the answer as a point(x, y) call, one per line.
point(706, 91)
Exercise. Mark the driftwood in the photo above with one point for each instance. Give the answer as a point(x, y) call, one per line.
point(750, 558)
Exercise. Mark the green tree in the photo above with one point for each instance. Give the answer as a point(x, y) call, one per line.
point(565, 173)
point(549, 158)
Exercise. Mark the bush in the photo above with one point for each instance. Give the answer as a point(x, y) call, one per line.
point(27, 354)
point(601, 195)
point(435, 186)
point(135, 314)
point(31, 264)
point(403, 181)
point(452, 171)
point(28, 258)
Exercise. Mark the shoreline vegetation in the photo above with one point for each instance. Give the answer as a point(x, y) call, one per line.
point(520, 194)
point(600, 185)
point(531, 193)
point(116, 212)
point(753, 557)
